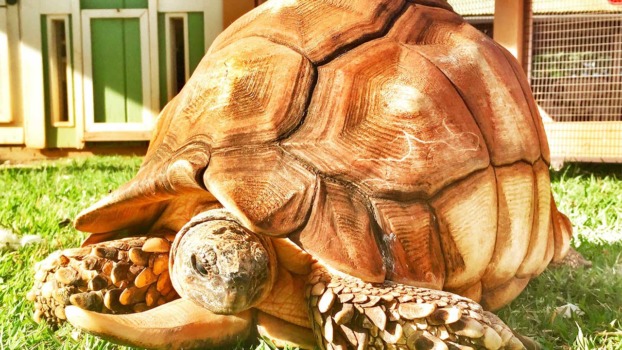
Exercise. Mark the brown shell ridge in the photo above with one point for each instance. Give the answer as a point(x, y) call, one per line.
point(457, 90)
point(278, 42)
point(359, 190)
point(303, 117)
point(537, 120)
point(366, 37)
point(381, 238)
point(458, 264)
point(325, 177)
point(296, 31)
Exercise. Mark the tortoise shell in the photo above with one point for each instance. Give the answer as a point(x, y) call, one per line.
point(388, 138)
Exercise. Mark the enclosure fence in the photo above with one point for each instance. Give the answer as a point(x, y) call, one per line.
point(573, 57)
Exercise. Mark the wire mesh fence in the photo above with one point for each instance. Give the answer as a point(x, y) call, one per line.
point(573, 58)
point(575, 53)
point(473, 7)
point(576, 66)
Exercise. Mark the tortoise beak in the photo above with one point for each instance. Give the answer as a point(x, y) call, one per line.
point(178, 324)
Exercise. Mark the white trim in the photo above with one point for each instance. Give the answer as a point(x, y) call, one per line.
point(12, 135)
point(90, 125)
point(141, 135)
point(54, 88)
point(78, 79)
point(154, 60)
point(56, 7)
point(6, 115)
point(31, 74)
point(185, 5)
point(169, 53)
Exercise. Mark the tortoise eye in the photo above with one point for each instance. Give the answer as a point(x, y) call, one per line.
point(199, 265)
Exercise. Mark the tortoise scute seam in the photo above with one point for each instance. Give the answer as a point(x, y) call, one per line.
point(455, 256)
point(370, 19)
point(535, 114)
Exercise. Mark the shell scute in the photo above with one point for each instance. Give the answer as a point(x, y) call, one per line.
point(467, 220)
point(375, 120)
point(254, 91)
point(340, 233)
point(537, 258)
point(267, 191)
point(412, 242)
point(481, 74)
point(316, 28)
point(515, 189)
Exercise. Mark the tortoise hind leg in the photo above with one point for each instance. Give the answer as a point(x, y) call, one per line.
point(348, 313)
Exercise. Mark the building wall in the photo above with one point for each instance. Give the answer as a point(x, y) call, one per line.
point(29, 112)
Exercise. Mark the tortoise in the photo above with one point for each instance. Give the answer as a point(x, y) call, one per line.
point(366, 170)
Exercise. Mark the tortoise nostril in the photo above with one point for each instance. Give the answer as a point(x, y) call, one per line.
point(198, 265)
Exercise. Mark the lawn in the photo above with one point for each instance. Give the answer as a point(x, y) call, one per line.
point(42, 198)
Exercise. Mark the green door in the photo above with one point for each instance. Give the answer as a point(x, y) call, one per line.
point(117, 71)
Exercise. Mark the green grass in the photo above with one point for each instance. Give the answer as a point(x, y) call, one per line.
point(41, 199)
point(591, 196)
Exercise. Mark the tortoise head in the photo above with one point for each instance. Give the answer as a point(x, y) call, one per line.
point(220, 265)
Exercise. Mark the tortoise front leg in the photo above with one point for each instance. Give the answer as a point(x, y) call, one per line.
point(113, 290)
point(347, 313)
point(118, 277)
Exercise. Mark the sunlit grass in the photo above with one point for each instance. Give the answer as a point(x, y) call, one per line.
point(42, 199)
point(591, 196)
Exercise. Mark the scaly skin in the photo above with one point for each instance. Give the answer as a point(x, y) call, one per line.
point(347, 313)
point(117, 277)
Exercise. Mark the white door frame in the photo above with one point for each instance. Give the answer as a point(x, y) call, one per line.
point(212, 14)
point(5, 81)
point(117, 131)
point(168, 39)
